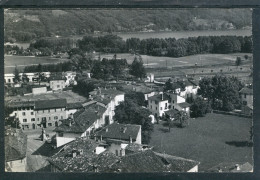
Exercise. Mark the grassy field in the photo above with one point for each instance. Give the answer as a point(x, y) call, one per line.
point(210, 140)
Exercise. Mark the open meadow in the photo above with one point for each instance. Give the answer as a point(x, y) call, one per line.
point(211, 140)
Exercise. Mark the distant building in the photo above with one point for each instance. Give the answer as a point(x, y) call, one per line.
point(232, 167)
point(49, 113)
point(70, 78)
point(246, 95)
point(39, 90)
point(163, 102)
point(86, 155)
point(15, 150)
point(42, 113)
point(32, 77)
point(57, 83)
point(81, 124)
point(71, 108)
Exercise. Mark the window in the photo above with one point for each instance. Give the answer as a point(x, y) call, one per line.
point(151, 107)
point(58, 86)
point(116, 152)
point(9, 80)
point(172, 101)
point(156, 108)
point(24, 120)
point(23, 108)
point(60, 134)
point(43, 118)
point(15, 114)
point(244, 95)
point(244, 103)
point(33, 119)
point(49, 118)
point(38, 119)
point(55, 117)
point(31, 113)
point(61, 117)
point(49, 111)
point(172, 107)
point(165, 106)
point(28, 108)
point(49, 124)
point(24, 113)
point(43, 111)
point(161, 108)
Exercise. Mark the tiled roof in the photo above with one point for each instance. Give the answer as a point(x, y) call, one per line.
point(50, 104)
point(74, 105)
point(15, 144)
point(178, 164)
point(16, 104)
point(84, 162)
point(184, 104)
point(134, 147)
point(82, 119)
point(115, 131)
point(172, 112)
point(231, 167)
point(246, 90)
point(158, 97)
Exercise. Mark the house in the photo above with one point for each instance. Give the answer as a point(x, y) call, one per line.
point(246, 95)
point(87, 155)
point(24, 112)
point(232, 167)
point(15, 150)
point(125, 132)
point(163, 102)
point(39, 90)
point(150, 161)
point(9, 78)
point(108, 97)
point(72, 108)
point(49, 113)
point(158, 104)
point(81, 124)
point(82, 155)
point(57, 83)
point(31, 77)
point(70, 78)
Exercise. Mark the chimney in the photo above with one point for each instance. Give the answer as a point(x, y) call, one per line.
point(237, 167)
point(124, 129)
point(81, 151)
point(130, 140)
point(74, 154)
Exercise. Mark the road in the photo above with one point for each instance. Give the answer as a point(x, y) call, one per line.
point(37, 150)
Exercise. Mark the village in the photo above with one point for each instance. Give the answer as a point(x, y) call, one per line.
point(170, 91)
point(67, 132)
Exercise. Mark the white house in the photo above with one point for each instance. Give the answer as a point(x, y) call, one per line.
point(70, 78)
point(57, 83)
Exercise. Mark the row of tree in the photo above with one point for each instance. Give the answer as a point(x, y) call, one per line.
point(168, 46)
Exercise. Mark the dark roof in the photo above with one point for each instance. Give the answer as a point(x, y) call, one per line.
point(171, 112)
point(57, 78)
point(134, 147)
point(246, 90)
point(15, 144)
point(184, 104)
point(84, 162)
point(178, 164)
point(74, 105)
point(158, 97)
point(149, 161)
point(16, 104)
point(50, 104)
point(115, 131)
point(231, 167)
point(82, 119)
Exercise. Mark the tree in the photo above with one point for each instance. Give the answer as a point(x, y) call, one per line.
point(238, 61)
point(221, 90)
point(137, 68)
point(25, 77)
point(183, 118)
point(199, 107)
point(17, 77)
point(128, 112)
point(137, 97)
point(246, 57)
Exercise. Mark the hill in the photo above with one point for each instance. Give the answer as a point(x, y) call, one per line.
point(26, 25)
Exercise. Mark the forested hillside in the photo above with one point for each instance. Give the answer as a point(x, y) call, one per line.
point(26, 25)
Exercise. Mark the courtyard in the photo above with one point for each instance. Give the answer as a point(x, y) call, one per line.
point(211, 140)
